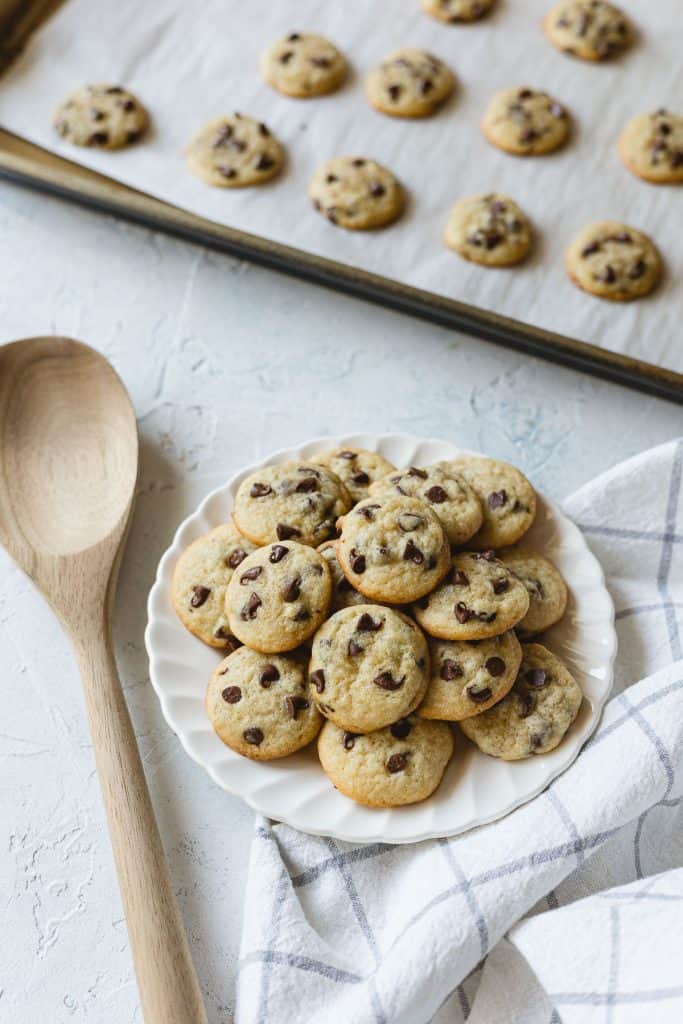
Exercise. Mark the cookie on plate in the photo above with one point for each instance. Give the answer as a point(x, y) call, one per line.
point(401, 764)
point(369, 667)
point(480, 597)
point(613, 261)
point(448, 494)
point(508, 500)
point(590, 29)
point(535, 715)
point(291, 501)
point(200, 581)
point(303, 64)
point(525, 122)
point(457, 10)
point(489, 229)
point(356, 193)
point(409, 83)
point(233, 152)
point(279, 596)
point(343, 594)
point(651, 146)
point(393, 548)
point(469, 677)
point(545, 586)
point(356, 468)
point(259, 705)
point(101, 116)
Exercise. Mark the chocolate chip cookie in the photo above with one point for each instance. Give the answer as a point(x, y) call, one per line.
point(401, 764)
point(508, 500)
point(470, 676)
point(279, 596)
point(613, 261)
point(356, 193)
point(480, 597)
point(446, 492)
point(259, 705)
point(393, 548)
point(200, 581)
point(651, 146)
point(525, 122)
point(489, 229)
point(356, 468)
point(102, 117)
point(590, 29)
point(291, 501)
point(343, 594)
point(303, 64)
point(535, 715)
point(369, 667)
point(457, 10)
point(233, 152)
point(409, 83)
point(545, 586)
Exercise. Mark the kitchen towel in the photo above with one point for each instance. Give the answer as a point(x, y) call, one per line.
point(570, 908)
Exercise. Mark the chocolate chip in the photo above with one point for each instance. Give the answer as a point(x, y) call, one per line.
point(293, 37)
point(284, 532)
point(348, 740)
point(386, 681)
point(268, 675)
point(231, 694)
point(497, 499)
point(366, 624)
point(331, 178)
point(317, 679)
point(409, 521)
point(607, 275)
point(590, 249)
point(500, 586)
point(96, 115)
point(495, 666)
point(622, 236)
point(307, 485)
point(264, 130)
point(637, 270)
point(528, 135)
point(98, 139)
point(320, 62)
point(493, 238)
point(394, 92)
point(259, 490)
point(498, 207)
point(368, 511)
point(199, 595)
point(676, 158)
point(358, 162)
point(459, 579)
point(113, 90)
point(353, 649)
point(536, 677)
point(450, 670)
point(264, 163)
point(251, 608)
point(294, 703)
point(360, 478)
point(463, 613)
point(422, 474)
point(436, 495)
point(397, 763)
point(357, 562)
point(231, 642)
point(486, 616)
point(235, 558)
point(412, 553)
point(525, 94)
point(253, 735)
point(401, 729)
point(292, 591)
point(286, 56)
point(303, 615)
point(346, 454)
point(277, 553)
point(377, 189)
point(426, 86)
point(129, 105)
point(226, 171)
point(478, 696)
point(526, 704)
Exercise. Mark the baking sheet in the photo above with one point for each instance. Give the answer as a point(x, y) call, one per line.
point(189, 63)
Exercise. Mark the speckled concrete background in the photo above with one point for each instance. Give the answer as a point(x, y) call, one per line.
point(224, 363)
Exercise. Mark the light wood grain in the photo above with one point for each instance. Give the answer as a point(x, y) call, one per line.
point(68, 467)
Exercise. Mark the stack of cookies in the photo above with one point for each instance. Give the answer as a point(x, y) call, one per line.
point(372, 607)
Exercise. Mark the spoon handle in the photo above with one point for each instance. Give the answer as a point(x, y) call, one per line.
point(169, 991)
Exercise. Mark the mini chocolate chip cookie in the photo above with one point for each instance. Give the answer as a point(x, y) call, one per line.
point(651, 146)
point(469, 676)
point(457, 10)
point(291, 501)
point(401, 764)
point(590, 29)
point(613, 261)
point(200, 581)
point(259, 704)
point(233, 152)
point(448, 493)
point(480, 597)
point(535, 715)
point(356, 468)
point(393, 548)
point(303, 64)
point(489, 229)
point(369, 667)
point(343, 594)
point(356, 193)
point(279, 596)
point(525, 122)
point(409, 83)
point(508, 500)
point(102, 117)
point(545, 586)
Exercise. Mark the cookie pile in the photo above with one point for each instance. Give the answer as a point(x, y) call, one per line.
point(373, 607)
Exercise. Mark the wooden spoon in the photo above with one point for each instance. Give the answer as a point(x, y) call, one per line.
point(68, 467)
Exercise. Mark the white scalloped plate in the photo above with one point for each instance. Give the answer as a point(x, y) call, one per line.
point(476, 789)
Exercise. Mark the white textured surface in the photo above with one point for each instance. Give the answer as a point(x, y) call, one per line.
point(224, 362)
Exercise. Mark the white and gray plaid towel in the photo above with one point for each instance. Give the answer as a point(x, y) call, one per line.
point(571, 908)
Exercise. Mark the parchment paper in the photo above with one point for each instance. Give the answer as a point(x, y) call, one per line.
point(189, 62)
